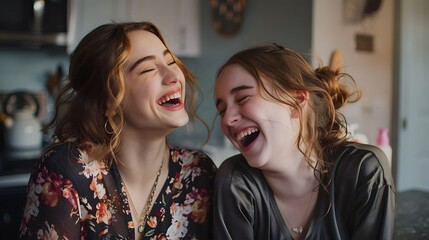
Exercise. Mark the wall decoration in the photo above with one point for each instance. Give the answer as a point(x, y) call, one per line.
point(227, 15)
point(357, 10)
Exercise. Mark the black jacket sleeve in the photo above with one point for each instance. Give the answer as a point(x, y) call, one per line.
point(233, 212)
point(363, 188)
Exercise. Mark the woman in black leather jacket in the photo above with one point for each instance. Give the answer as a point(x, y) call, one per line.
point(298, 176)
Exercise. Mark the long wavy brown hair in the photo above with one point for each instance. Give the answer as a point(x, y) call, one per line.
point(88, 108)
point(322, 127)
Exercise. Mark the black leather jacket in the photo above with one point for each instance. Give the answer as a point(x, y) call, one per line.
point(361, 196)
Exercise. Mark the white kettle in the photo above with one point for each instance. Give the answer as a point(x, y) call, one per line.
point(23, 130)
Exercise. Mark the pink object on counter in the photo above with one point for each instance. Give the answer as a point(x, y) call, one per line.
point(384, 143)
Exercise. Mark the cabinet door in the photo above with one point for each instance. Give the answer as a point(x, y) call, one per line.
point(178, 20)
point(89, 14)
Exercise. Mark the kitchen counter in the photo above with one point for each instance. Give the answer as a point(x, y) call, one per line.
point(16, 164)
point(15, 172)
point(412, 215)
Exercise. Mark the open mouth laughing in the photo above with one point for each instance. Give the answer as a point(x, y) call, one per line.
point(246, 137)
point(172, 100)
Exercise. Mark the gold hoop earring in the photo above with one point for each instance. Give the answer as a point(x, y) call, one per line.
point(105, 129)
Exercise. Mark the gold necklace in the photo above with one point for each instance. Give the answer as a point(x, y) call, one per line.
point(299, 229)
point(143, 217)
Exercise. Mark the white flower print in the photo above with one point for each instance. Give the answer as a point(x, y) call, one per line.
point(91, 168)
point(179, 222)
point(100, 190)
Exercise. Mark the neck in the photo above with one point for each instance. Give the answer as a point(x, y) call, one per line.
point(296, 197)
point(144, 169)
point(294, 180)
point(138, 161)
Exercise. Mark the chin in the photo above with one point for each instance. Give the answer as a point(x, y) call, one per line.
point(181, 120)
point(255, 161)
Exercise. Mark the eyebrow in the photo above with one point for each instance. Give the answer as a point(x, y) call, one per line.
point(150, 57)
point(232, 91)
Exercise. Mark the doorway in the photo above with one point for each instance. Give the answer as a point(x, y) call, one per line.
point(411, 108)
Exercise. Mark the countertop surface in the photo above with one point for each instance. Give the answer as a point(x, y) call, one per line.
point(412, 215)
point(15, 169)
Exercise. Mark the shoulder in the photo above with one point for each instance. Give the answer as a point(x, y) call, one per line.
point(363, 161)
point(192, 159)
point(60, 155)
point(363, 155)
point(236, 171)
point(67, 160)
point(234, 165)
point(238, 185)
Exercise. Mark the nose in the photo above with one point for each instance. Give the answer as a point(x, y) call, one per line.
point(230, 117)
point(171, 76)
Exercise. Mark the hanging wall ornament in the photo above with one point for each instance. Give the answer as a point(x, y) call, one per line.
point(227, 15)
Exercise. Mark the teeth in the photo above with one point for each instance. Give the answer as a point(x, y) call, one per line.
point(245, 133)
point(168, 98)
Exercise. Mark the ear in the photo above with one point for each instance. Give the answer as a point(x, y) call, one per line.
point(301, 98)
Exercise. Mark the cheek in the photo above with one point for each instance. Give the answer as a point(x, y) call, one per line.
point(180, 75)
point(224, 128)
point(143, 89)
point(226, 132)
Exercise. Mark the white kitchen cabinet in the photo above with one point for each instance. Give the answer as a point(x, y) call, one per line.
point(89, 14)
point(178, 20)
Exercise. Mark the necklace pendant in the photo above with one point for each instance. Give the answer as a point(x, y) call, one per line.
point(141, 228)
point(297, 230)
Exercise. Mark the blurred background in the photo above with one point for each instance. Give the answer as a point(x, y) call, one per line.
point(383, 44)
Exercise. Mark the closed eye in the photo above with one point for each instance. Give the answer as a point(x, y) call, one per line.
point(243, 99)
point(221, 112)
point(221, 109)
point(147, 70)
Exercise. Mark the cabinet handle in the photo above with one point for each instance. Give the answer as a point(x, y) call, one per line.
point(404, 123)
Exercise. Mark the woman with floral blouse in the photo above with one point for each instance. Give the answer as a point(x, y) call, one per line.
point(111, 173)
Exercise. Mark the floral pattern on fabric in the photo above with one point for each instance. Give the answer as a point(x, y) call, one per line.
point(71, 197)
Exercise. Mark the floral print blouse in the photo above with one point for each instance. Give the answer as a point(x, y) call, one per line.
point(70, 197)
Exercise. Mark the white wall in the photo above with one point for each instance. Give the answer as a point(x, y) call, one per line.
point(372, 71)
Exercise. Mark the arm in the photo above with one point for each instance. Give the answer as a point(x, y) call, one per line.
point(193, 196)
point(202, 214)
point(374, 199)
point(375, 218)
point(233, 210)
point(51, 207)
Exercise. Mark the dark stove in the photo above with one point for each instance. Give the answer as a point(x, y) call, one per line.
point(14, 175)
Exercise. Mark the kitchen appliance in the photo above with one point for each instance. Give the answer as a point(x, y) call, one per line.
point(34, 24)
point(22, 135)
